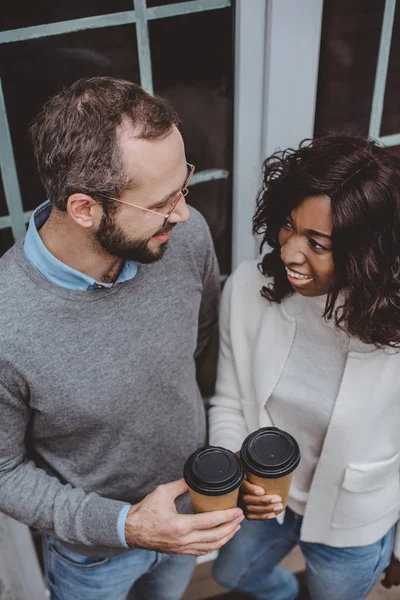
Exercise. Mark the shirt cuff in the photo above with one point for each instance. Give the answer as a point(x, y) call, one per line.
point(121, 524)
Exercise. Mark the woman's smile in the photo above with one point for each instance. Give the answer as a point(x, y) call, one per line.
point(300, 277)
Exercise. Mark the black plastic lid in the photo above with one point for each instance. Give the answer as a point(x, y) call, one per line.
point(213, 471)
point(270, 452)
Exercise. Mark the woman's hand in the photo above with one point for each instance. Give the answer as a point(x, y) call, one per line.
point(392, 574)
point(257, 506)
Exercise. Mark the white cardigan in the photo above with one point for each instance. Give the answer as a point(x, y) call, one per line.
point(354, 497)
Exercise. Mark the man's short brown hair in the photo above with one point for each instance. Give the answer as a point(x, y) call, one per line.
point(75, 135)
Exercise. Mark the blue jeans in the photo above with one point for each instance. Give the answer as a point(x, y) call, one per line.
point(249, 561)
point(149, 575)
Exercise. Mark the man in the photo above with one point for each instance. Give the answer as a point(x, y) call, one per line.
point(103, 308)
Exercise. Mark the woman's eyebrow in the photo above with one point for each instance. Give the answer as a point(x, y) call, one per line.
point(317, 233)
point(313, 231)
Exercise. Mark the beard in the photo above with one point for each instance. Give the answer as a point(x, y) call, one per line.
point(114, 241)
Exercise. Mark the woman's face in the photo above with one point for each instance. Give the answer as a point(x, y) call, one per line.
point(306, 246)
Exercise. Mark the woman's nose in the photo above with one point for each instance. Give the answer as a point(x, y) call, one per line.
point(291, 252)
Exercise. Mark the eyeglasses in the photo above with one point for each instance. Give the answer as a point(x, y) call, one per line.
point(171, 204)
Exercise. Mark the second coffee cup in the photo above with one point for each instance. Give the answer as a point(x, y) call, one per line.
point(270, 456)
point(214, 476)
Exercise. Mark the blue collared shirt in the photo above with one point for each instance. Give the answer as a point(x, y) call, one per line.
point(57, 271)
point(63, 275)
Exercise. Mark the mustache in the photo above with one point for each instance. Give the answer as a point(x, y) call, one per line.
point(168, 227)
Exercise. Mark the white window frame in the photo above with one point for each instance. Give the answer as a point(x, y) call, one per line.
point(274, 98)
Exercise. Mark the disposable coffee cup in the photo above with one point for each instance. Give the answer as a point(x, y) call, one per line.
point(214, 476)
point(270, 457)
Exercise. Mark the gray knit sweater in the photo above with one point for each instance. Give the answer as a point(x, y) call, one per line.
point(98, 396)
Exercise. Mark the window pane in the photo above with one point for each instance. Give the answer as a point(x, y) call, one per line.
point(192, 68)
point(32, 71)
point(27, 13)
point(351, 32)
point(3, 205)
point(395, 150)
point(6, 240)
point(213, 200)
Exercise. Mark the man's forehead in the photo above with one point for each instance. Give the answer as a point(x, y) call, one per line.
point(154, 159)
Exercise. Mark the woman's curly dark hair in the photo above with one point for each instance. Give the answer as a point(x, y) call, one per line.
point(362, 180)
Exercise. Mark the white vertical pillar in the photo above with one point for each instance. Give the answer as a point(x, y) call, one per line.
point(277, 46)
point(291, 72)
point(250, 23)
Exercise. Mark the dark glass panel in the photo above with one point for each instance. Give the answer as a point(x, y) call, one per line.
point(3, 204)
point(192, 67)
point(351, 32)
point(32, 71)
point(6, 240)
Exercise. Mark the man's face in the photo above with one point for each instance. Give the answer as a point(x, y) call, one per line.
point(158, 170)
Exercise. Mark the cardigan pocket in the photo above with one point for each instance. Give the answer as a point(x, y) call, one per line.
point(368, 492)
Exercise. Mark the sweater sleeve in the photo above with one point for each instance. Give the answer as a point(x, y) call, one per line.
point(227, 424)
point(30, 495)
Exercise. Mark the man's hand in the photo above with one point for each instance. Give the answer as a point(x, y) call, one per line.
point(155, 524)
point(392, 574)
point(257, 505)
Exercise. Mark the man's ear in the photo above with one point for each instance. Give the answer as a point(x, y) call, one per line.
point(84, 211)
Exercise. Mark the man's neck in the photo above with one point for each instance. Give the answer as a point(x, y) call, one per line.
point(71, 246)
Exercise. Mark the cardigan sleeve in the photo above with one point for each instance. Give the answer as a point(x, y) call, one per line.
point(226, 419)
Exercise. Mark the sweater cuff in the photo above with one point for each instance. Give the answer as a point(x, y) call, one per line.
point(99, 521)
point(396, 548)
point(121, 524)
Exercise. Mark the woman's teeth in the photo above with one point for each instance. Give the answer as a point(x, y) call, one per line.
point(297, 275)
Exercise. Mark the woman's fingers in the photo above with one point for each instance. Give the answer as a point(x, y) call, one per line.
point(257, 505)
point(262, 517)
point(249, 488)
point(263, 509)
point(261, 500)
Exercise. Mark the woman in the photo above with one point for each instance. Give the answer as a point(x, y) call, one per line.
point(309, 343)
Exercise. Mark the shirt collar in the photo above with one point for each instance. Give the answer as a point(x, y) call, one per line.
point(57, 271)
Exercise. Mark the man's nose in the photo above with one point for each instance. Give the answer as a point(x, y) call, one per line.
point(181, 212)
